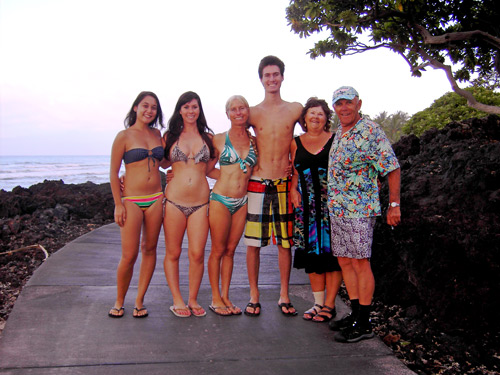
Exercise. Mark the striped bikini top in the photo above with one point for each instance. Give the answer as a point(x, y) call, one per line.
point(203, 156)
point(229, 155)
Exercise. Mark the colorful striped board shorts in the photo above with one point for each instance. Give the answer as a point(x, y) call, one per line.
point(270, 213)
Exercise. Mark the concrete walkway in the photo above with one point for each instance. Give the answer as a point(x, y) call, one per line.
point(59, 324)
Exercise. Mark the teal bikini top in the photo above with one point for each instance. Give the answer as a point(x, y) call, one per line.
point(229, 155)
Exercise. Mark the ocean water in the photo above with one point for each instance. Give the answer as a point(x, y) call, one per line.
point(29, 170)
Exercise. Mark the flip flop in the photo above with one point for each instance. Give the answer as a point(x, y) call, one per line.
point(175, 311)
point(219, 310)
point(118, 311)
point(137, 311)
point(254, 306)
point(312, 312)
point(288, 306)
point(197, 311)
point(233, 307)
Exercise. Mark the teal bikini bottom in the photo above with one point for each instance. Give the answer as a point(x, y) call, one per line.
point(232, 204)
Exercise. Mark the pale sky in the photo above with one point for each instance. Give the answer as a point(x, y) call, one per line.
point(70, 69)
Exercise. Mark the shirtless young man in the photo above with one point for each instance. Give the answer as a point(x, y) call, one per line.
point(269, 209)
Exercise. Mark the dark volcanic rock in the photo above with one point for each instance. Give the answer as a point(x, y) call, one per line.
point(83, 201)
point(445, 256)
point(49, 214)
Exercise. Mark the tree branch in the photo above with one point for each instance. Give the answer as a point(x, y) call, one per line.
point(412, 68)
point(457, 36)
point(37, 246)
point(333, 24)
point(471, 101)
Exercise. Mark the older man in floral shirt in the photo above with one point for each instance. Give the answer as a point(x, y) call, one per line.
point(359, 154)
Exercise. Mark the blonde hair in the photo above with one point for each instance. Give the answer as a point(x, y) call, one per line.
point(236, 97)
point(245, 103)
point(252, 141)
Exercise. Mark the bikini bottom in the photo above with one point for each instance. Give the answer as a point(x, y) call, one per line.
point(144, 201)
point(232, 204)
point(187, 210)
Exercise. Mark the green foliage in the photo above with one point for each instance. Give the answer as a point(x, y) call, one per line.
point(334, 122)
point(490, 81)
point(468, 30)
point(450, 107)
point(392, 124)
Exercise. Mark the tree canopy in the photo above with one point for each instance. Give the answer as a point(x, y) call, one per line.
point(459, 36)
point(450, 107)
point(392, 124)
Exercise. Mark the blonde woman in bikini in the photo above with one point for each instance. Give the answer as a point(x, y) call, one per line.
point(190, 151)
point(228, 201)
point(141, 149)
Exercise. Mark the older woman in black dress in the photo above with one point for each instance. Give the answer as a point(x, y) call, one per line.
point(309, 198)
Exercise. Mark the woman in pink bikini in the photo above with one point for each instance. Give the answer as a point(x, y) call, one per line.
point(140, 146)
point(189, 149)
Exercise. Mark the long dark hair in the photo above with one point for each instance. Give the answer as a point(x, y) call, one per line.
point(131, 117)
point(176, 124)
point(315, 102)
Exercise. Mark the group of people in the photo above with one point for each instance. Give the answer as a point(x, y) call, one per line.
point(317, 192)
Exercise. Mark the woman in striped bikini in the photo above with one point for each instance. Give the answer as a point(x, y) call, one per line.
point(140, 146)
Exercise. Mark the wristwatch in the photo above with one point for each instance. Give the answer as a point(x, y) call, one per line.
point(393, 204)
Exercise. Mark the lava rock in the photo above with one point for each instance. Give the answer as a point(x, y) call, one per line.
point(445, 255)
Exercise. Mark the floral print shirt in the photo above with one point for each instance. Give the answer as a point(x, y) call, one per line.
point(356, 159)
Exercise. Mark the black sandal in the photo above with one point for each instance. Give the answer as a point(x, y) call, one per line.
point(322, 317)
point(118, 310)
point(136, 313)
point(288, 306)
point(254, 306)
point(312, 312)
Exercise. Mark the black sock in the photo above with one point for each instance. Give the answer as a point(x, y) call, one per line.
point(355, 307)
point(364, 314)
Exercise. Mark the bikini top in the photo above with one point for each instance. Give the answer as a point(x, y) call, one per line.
point(138, 154)
point(229, 156)
point(203, 156)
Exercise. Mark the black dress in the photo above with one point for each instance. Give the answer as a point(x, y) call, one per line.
point(311, 233)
